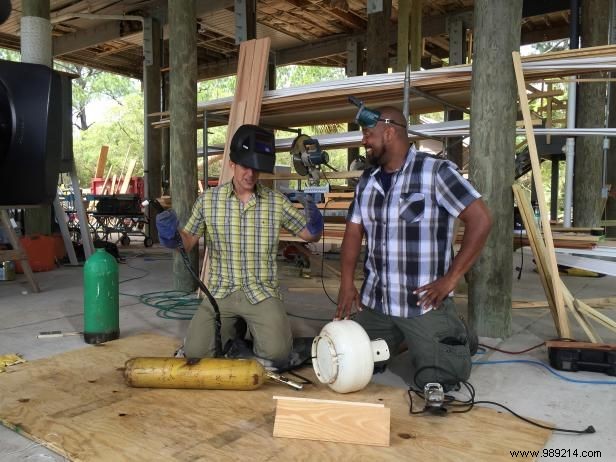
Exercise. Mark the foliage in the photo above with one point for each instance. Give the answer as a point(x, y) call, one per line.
point(10, 55)
point(121, 130)
point(294, 75)
point(286, 76)
point(92, 85)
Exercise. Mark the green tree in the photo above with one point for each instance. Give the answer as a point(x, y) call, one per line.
point(122, 131)
point(92, 85)
point(10, 55)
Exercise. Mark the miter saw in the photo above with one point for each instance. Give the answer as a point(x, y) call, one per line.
point(308, 157)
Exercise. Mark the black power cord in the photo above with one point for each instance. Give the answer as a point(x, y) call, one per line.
point(451, 401)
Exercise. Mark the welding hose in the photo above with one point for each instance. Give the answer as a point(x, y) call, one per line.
point(218, 352)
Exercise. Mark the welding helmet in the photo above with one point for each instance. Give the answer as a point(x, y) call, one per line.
point(253, 147)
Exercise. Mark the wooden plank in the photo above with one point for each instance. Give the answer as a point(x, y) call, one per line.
point(77, 404)
point(536, 245)
point(332, 420)
point(582, 345)
point(573, 229)
point(102, 162)
point(573, 306)
point(246, 105)
point(538, 248)
point(105, 183)
point(600, 302)
point(543, 208)
point(128, 176)
point(598, 317)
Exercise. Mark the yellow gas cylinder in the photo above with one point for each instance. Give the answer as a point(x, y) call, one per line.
point(206, 374)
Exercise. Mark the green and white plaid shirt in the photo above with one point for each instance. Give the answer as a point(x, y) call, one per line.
point(243, 238)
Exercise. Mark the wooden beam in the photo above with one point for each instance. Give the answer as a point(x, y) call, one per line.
point(538, 248)
point(102, 162)
point(329, 420)
point(246, 106)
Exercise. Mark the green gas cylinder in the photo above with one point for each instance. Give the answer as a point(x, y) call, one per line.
point(101, 298)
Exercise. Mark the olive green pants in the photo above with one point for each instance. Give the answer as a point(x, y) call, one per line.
point(438, 349)
point(267, 322)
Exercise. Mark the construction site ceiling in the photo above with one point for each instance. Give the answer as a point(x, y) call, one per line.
point(108, 34)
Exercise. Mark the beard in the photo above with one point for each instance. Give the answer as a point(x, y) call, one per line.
point(373, 159)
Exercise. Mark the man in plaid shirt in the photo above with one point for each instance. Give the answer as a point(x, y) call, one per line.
point(406, 206)
point(242, 220)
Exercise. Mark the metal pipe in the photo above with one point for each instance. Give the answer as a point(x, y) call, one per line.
point(111, 17)
point(571, 112)
point(436, 99)
point(611, 39)
point(407, 87)
point(206, 172)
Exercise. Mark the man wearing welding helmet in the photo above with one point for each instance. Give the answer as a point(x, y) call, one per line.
point(242, 220)
point(406, 205)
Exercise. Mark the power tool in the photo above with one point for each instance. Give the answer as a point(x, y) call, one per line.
point(434, 396)
point(308, 157)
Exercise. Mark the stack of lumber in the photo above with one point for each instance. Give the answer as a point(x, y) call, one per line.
point(542, 243)
point(113, 183)
point(326, 102)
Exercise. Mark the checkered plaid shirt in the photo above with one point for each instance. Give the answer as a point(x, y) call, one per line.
point(409, 230)
point(243, 238)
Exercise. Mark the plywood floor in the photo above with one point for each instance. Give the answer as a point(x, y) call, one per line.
point(76, 404)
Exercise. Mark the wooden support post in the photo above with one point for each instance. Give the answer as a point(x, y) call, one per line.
point(102, 162)
point(183, 133)
point(402, 54)
point(491, 168)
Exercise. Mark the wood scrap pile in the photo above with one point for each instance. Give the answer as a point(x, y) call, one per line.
point(542, 244)
point(114, 183)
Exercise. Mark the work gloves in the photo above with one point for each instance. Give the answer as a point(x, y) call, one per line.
point(314, 219)
point(167, 225)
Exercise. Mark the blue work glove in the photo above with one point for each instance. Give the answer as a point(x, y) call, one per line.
point(167, 225)
point(314, 219)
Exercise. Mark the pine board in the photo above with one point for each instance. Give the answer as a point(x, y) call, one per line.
point(332, 420)
point(76, 404)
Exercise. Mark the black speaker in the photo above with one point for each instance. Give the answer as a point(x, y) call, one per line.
point(31, 121)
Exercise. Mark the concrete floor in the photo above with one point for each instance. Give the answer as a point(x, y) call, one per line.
point(528, 389)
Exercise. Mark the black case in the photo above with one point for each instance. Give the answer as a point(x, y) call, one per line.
point(582, 359)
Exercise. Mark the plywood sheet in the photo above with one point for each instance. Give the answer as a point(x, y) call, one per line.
point(77, 404)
